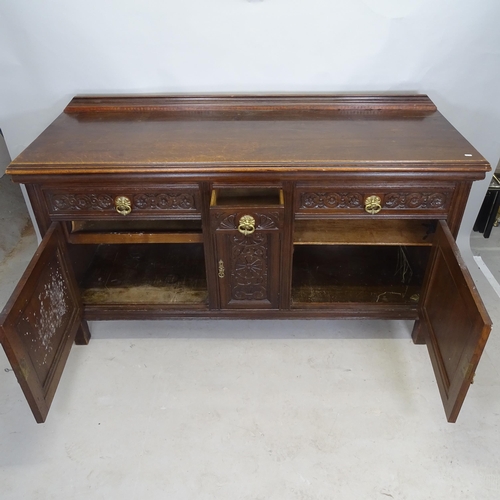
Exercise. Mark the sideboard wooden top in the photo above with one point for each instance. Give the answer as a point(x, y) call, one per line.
point(259, 133)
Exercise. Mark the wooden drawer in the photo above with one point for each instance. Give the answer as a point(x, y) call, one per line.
point(104, 202)
point(264, 205)
point(423, 201)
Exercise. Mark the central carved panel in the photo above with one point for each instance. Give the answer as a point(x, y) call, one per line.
point(249, 269)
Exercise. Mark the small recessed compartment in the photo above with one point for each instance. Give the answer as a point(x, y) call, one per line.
point(237, 196)
point(166, 274)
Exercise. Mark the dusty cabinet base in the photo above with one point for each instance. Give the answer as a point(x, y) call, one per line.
point(246, 207)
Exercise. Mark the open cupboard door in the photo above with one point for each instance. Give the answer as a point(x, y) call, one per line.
point(455, 320)
point(40, 321)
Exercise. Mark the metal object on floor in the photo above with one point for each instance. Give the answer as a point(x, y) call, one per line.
point(489, 212)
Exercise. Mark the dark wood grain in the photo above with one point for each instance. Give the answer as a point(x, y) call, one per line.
point(248, 264)
point(361, 274)
point(303, 167)
point(363, 232)
point(40, 322)
point(135, 140)
point(146, 274)
point(230, 103)
point(456, 322)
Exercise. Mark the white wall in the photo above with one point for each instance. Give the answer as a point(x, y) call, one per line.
point(449, 49)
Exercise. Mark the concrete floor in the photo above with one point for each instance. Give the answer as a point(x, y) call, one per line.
point(252, 410)
point(14, 218)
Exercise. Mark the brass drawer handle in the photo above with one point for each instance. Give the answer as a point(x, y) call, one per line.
point(247, 225)
point(372, 204)
point(123, 205)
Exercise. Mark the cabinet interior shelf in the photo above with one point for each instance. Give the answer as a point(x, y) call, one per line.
point(363, 232)
point(146, 274)
point(135, 231)
point(362, 274)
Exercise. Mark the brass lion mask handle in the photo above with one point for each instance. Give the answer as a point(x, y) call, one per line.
point(246, 225)
point(123, 205)
point(373, 204)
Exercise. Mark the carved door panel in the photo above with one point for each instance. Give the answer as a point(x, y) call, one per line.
point(39, 323)
point(455, 321)
point(248, 261)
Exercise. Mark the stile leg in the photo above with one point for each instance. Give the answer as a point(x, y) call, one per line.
point(83, 334)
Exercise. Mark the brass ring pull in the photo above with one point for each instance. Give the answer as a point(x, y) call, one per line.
point(247, 225)
point(372, 205)
point(123, 205)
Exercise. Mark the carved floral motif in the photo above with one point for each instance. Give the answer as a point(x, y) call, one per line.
point(394, 200)
point(415, 200)
point(249, 267)
point(331, 200)
point(46, 316)
point(228, 222)
point(77, 202)
point(165, 201)
point(143, 201)
point(265, 221)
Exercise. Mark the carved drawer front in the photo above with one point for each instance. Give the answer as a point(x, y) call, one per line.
point(126, 201)
point(402, 201)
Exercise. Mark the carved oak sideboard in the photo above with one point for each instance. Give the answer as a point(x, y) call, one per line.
point(246, 207)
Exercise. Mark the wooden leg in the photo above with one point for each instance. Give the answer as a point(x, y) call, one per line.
point(83, 334)
point(418, 333)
